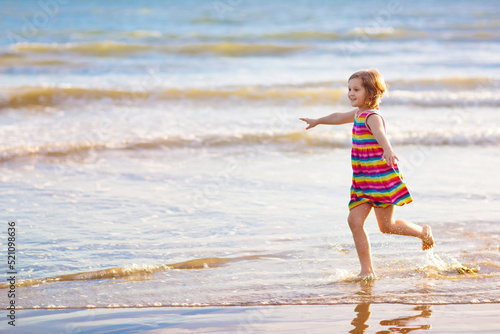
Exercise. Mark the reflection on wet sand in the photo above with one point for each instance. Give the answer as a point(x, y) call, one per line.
point(396, 325)
point(362, 317)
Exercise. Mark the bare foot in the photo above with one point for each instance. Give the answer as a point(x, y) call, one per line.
point(427, 239)
point(365, 277)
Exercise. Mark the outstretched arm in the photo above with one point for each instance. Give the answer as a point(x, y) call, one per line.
point(335, 118)
point(376, 125)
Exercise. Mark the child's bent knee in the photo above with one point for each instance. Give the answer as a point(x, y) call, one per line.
point(354, 224)
point(387, 228)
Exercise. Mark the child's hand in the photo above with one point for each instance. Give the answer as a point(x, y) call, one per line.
point(390, 158)
point(311, 123)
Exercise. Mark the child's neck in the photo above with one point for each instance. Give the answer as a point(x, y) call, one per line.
point(365, 108)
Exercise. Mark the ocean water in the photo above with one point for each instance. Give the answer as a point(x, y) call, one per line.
point(151, 152)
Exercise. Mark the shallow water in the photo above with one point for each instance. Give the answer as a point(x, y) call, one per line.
point(244, 239)
point(149, 164)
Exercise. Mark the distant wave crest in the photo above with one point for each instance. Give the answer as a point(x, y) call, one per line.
point(288, 141)
point(50, 96)
point(113, 48)
point(449, 92)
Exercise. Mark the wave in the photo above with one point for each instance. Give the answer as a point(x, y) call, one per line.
point(104, 48)
point(385, 33)
point(236, 49)
point(475, 31)
point(51, 96)
point(304, 35)
point(445, 34)
point(288, 141)
point(481, 24)
point(133, 272)
point(17, 60)
point(141, 42)
point(479, 32)
point(142, 272)
point(106, 285)
point(475, 98)
point(9, 58)
point(113, 48)
point(447, 83)
point(449, 92)
point(79, 148)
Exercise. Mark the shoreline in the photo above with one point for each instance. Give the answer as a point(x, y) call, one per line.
point(341, 318)
point(249, 305)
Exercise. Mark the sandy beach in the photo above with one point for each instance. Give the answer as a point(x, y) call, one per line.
point(157, 177)
point(354, 319)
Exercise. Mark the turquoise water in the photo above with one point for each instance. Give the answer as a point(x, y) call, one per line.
point(151, 152)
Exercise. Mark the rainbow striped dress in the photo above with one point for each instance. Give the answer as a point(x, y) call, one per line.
point(373, 181)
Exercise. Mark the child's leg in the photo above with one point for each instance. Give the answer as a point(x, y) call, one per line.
point(387, 224)
point(356, 220)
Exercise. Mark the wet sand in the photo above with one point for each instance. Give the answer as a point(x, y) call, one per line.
point(361, 318)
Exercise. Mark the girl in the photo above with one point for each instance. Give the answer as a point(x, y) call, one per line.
point(376, 181)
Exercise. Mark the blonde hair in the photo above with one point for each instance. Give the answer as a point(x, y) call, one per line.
point(374, 85)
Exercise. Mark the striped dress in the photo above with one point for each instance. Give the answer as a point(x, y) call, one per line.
point(373, 181)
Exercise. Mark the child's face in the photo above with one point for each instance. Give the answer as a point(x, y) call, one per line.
point(356, 93)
